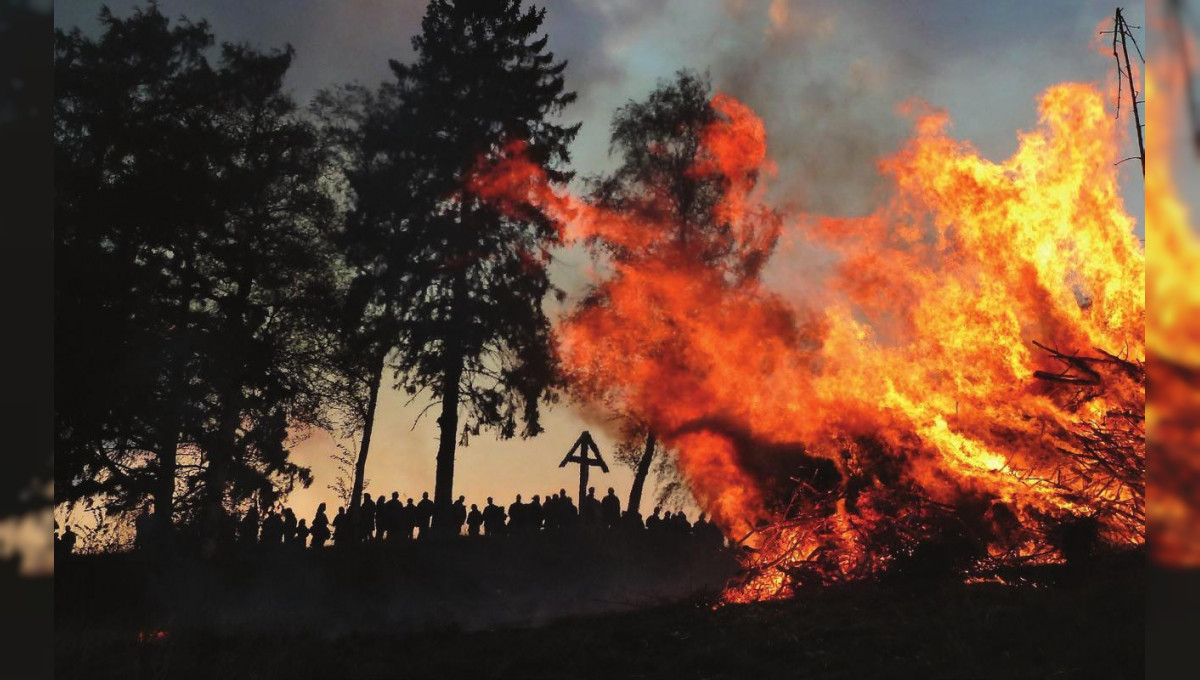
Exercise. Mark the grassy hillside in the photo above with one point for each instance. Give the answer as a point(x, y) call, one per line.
point(1086, 623)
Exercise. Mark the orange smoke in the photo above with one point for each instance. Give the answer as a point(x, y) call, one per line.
point(909, 385)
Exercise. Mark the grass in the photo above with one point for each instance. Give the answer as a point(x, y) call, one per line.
point(1078, 624)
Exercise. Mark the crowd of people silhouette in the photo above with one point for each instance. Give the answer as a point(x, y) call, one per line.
point(388, 519)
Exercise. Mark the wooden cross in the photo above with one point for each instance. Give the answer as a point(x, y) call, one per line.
point(580, 453)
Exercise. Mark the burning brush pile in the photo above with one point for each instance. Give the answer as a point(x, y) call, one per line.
point(965, 387)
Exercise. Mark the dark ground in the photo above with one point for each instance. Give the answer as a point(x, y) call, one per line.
point(540, 616)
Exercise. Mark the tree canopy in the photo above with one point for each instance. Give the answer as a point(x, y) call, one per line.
point(194, 276)
point(475, 334)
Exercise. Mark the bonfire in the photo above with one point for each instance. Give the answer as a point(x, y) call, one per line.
point(966, 389)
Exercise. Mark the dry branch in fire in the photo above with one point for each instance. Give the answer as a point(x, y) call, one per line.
point(1105, 455)
point(871, 527)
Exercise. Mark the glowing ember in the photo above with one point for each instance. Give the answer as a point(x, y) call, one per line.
point(147, 637)
point(853, 427)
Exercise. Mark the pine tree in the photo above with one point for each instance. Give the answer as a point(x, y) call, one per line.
point(475, 333)
point(131, 139)
point(194, 281)
point(272, 293)
point(374, 149)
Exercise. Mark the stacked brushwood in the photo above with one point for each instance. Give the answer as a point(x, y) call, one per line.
point(873, 525)
point(1104, 456)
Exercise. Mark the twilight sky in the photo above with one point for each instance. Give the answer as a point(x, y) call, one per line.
point(825, 75)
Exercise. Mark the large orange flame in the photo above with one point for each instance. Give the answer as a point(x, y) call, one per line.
point(911, 377)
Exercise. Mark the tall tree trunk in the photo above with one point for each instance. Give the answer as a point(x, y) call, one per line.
point(216, 478)
point(443, 490)
point(224, 447)
point(452, 373)
point(168, 454)
point(639, 477)
point(360, 466)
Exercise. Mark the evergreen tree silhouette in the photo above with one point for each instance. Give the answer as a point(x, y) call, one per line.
point(131, 145)
point(372, 139)
point(475, 333)
point(195, 279)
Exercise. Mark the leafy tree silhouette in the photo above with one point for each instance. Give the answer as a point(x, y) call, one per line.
point(371, 136)
point(195, 283)
point(472, 330)
point(130, 204)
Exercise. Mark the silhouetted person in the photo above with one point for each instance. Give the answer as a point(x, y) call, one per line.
point(272, 529)
point(551, 512)
point(248, 530)
point(366, 518)
point(516, 516)
point(289, 526)
point(393, 511)
point(708, 533)
point(493, 518)
point(680, 524)
point(268, 522)
point(474, 520)
point(424, 515)
point(610, 509)
point(569, 514)
point(320, 527)
point(381, 527)
point(654, 521)
point(340, 528)
point(589, 509)
point(458, 514)
point(67, 541)
point(535, 514)
point(564, 510)
point(302, 533)
point(410, 519)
